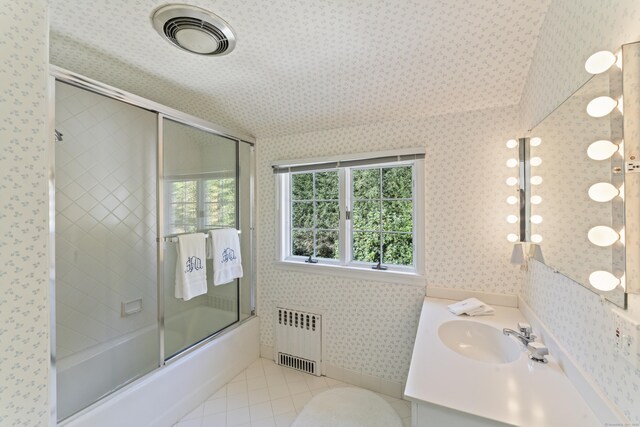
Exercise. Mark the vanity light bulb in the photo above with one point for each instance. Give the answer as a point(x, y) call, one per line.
point(512, 163)
point(535, 161)
point(534, 142)
point(512, 200)
point(536, 238)
point(536, 200)
point(601, 150)
point(536, 219)
point(619, 59)
point(512, 143)
point(512, 219)
point(620, 105)
point(602, 236)
point(603, 192)
point(512, 237)
point(621, 147)
point(536, 180)
point(601, 106)
point(603, 280)
point(599, 62)
point(621, 192)
point(512, 181)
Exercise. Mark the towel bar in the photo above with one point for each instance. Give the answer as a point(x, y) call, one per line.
point(174, 239)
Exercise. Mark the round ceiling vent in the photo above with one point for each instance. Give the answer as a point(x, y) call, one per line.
point(194, 30)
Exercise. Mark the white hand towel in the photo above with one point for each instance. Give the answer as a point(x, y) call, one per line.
point(225, 251)
point(191, 272)
point(471, 307)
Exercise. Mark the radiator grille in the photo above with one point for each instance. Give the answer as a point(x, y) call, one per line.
point(299, 340)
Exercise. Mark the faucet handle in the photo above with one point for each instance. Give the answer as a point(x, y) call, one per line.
point(538, 351)
point(525, 329)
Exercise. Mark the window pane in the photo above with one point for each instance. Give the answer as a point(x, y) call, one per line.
point(366, 246)
point(302, 242)
point(327, 185)
point(398, 249)
point(302, 215)
point(397, 182)
point(366, 183)
point(228, 190)
point(302, 186)
point(397, 215)
point(366, 216)
point(212, 190)
point(327, 244)
point(328, 215)
point(229, 215)
point(214, 212)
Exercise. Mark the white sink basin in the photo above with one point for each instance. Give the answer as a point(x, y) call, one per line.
point(478, 341)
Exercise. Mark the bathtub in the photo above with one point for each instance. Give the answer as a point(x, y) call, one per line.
point(164, 395)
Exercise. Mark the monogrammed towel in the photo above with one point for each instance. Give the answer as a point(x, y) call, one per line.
point(225, 251)
point(191, 272)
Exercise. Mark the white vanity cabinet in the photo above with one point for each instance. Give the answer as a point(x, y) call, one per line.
point(449, 389)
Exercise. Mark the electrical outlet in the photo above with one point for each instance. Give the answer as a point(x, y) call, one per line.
point(626, 337)
point(633, 166)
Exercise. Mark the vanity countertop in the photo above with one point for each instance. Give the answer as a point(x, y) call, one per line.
point(521, 393)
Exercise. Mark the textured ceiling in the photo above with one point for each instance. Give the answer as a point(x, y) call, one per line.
point(302, 66)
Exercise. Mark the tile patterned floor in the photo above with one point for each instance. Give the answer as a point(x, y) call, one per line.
point(267, 395)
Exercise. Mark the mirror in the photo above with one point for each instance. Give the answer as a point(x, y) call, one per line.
point(582, 207)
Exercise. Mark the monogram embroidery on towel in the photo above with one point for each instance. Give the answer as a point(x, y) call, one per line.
point(193, 263)
point(228, 255)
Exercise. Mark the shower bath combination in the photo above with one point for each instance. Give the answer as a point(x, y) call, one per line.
point(130, 175)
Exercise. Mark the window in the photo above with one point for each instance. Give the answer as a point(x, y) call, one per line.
point(200, 203)
point(362, 214)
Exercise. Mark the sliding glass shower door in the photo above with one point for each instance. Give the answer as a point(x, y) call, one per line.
point(200, 190)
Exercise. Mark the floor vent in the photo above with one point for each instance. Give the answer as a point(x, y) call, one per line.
point(299, 340)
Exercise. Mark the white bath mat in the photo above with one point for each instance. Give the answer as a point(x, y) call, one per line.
point(347, 407)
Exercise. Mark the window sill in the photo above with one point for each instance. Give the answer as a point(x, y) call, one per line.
point(354, 273)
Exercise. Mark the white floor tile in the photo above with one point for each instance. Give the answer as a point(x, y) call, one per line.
point(260, 411)
point(282, 405)
point(267, 395)
point(215, 406)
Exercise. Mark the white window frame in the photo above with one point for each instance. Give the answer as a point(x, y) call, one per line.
point(345, 266)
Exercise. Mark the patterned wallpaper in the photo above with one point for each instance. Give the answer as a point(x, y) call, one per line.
point(24, 284)
point(571, 32)
point(371, 325)
point(303, 66)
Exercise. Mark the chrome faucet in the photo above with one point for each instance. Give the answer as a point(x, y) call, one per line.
point(523, 334)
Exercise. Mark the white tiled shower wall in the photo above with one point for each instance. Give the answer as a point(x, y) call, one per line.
point(24, 285)
point(370, 326)
point(574, 314)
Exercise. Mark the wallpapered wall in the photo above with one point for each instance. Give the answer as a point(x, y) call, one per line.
point(24, 312)
point(571, 32)
point(371, 325)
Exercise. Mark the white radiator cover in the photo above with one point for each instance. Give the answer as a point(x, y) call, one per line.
point(299, 340)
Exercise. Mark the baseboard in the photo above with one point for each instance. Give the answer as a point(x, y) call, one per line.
point(506, 300)
point(605, 410)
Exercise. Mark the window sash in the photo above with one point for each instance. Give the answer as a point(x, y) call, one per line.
point(346, 228)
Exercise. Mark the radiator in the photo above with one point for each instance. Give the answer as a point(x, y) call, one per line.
point(299, 340)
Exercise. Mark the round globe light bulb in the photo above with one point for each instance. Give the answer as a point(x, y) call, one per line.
point(512, 143)
point(536, 200)
point(536, 238)
point(603, 236)
point(619, 59)
point(512, 200)
point(512, 219)
point(601, 150)
point(536, 219)
point(620, 105)
point(535, 161)
point(621, 147)
point(512, 181)
point(603, 192)
point(512, 163)
point(536, 180)
point(534, 142)
point(512, 237)
point(601, 106)
point(599, 62)
point(603, 280)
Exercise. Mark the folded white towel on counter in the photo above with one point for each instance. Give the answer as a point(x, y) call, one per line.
point(191, 272)
point(225, 252)
point(471, 307)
